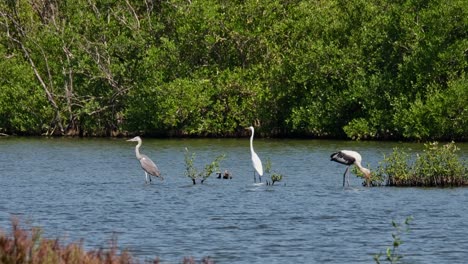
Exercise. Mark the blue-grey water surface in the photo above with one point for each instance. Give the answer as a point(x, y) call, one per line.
point(94, 189)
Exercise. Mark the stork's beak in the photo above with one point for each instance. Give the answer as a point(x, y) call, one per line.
point(368, 179)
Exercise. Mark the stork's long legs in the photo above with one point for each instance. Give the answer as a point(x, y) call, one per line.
point(344, 176)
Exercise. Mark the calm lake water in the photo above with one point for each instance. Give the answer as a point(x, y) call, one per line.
point(94, 189)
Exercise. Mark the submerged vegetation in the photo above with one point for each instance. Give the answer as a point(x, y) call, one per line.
point(192, 172)
point(344, 69)
point(274, 176)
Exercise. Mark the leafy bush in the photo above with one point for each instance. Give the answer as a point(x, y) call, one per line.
point(396, 168)
point(436, 166)
point(442, 114)
point(440, 166)
point(359, 129)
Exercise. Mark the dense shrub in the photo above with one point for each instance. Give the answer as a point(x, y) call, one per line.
point(436, 166)
point(355, 69)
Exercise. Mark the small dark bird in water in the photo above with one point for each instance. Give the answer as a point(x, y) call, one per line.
point(225, 175)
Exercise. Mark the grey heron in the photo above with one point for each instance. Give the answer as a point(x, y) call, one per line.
point(146, 163)
point(349, 157)
point(256, 162)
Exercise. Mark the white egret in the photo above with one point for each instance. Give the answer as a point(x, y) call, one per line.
point(256, 162)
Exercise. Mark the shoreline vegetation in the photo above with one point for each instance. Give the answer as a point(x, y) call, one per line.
point(313, 69)
point(436, 166)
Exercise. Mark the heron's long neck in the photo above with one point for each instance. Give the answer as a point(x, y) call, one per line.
point(251, 142)
point(137, 150)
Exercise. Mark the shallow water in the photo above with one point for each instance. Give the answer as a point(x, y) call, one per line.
point(94, 189)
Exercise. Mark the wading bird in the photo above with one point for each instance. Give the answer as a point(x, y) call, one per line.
point(349, 157)
point(256, 162)
point(146, 163)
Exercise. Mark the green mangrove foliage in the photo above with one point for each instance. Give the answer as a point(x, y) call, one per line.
point(356, 69)
point(192, 172)
point(435, 166)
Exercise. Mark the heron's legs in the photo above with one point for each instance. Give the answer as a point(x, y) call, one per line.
point(255, 179)
point(146, 177)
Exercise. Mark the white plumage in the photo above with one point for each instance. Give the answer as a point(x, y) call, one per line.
point(256, 162)
point(350, 157)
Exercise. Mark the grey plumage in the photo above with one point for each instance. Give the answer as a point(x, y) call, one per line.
point(146, 163)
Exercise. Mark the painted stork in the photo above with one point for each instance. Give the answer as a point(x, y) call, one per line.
point(349, 157)
point(256, 162)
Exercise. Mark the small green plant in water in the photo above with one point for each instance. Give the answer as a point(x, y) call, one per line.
point(275, 176)
point(194, 174)
point(391, 254)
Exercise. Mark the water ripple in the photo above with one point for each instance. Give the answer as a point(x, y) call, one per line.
point(94, 190)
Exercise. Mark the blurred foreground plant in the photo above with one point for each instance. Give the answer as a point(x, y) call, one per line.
point(29, 246)
point(391, 254)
